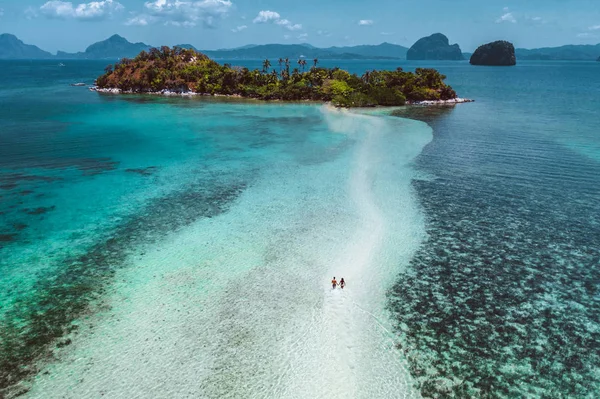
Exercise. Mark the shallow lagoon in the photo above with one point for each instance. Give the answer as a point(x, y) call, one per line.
point(151, 235)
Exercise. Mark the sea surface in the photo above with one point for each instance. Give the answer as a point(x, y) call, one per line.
point(183, 247)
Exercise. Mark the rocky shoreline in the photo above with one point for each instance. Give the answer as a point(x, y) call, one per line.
point(451, 101)
point(190, 93)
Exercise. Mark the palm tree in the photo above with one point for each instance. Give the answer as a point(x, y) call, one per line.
point(303, 63)
point(266, 65)
point(366, 77)
point(280, 62)
point(315, 62)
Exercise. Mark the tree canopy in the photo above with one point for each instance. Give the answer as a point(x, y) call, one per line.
point(185, 70)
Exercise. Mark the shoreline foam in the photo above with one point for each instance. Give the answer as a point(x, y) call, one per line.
point(190, 93)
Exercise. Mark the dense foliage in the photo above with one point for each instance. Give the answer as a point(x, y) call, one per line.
point(184, 70)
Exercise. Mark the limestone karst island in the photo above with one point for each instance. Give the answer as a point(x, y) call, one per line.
point(498, 53)
point(178, 70)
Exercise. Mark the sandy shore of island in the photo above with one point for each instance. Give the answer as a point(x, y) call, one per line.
point(452, 101)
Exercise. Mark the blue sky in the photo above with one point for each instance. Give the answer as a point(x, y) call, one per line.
point(212, 24)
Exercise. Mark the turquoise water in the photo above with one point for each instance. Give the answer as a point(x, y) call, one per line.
point(182, 247)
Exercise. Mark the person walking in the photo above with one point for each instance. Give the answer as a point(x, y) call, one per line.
point(333, 283)
point(342, 283)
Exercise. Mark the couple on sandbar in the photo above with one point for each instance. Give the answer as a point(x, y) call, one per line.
point(334, 283)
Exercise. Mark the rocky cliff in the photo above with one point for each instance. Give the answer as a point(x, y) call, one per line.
point(500, 53)
point(434, 47)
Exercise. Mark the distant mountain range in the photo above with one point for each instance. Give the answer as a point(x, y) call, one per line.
point(569, 52)
point(113, 47)
point(293, 51)
point(118, 47)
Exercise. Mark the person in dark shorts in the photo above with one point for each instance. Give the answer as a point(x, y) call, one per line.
point(333, 283)
point(342, 283)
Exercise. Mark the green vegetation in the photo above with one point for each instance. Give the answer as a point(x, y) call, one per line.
point(185, 70)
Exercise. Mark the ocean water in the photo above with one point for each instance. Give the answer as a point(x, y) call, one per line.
point(183, 247)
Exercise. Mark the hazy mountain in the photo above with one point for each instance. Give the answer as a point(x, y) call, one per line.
point(118, 47)
point(238, 48)
point(386, 50)
point(187, 46)
point(13, 48)
point(569, 52)
point(291, 51)
point(114, 47)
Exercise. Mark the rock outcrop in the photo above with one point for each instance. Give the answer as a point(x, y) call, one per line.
point(434, 47)
point(499, 53)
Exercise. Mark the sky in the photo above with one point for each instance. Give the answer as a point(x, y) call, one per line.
point(213, 24)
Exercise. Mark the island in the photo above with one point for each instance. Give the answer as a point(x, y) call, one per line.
point(112, 48)
point(185, 71)
point(434, 47)
point(13, 48)
point(499, 53)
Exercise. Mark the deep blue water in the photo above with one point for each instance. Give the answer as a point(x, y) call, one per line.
point(501, 300)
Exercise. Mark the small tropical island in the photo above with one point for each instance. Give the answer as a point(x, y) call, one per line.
point(185, 71)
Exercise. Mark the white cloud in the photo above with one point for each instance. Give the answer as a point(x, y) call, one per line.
point(1, 12)
point(595, 27)
point(323, 33)
point(386, 33)
point(140, 20)
point(287, 37)
point(267, 16)
point(85, 11)
point(365, 22)
point(186, 13)
point(534, 21)
point(239, 28)
point(288, 25)
point(584, 35)
point(302, 36)
point(508, 17)
point(185, 24)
